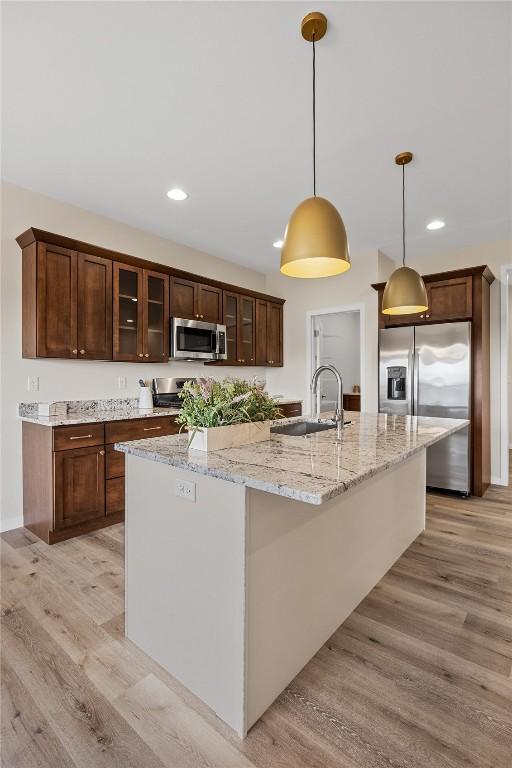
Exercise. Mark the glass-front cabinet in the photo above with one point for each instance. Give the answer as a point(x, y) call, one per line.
point(141, 314)
point(239, 319)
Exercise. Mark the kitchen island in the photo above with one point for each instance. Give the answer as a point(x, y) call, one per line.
point(241, 563)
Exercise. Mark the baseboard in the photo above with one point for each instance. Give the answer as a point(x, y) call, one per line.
point(498, 481)
point(9, 523)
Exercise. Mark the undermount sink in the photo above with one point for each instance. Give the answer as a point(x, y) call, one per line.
point(303, 428)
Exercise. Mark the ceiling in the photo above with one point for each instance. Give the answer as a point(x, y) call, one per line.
point(108, 105)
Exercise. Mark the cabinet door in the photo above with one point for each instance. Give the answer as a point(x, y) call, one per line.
point(450, 299)
point(246, 329)
point(261, 334)
point(183, 298)
point(79, 485)
point(230, 301)
point(209, 303)
point(275, 334)
point(128, 300)
point(56, 301)
point(155, 316)
point(94, 307)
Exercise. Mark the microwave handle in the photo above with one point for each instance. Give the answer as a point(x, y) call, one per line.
point(217, 342)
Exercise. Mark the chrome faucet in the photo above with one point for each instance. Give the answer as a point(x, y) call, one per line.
point(339, 415)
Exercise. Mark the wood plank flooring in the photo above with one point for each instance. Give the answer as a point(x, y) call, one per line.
point(419, 676)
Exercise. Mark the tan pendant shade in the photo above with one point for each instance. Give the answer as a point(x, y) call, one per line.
point(405, 293)
point(315, 241)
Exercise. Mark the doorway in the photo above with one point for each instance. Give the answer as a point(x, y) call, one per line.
point(335, 336)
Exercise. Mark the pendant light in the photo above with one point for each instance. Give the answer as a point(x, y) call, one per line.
point(315, 241)
point(405, 292)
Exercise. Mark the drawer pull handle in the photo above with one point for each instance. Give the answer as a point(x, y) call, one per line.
point(148, 429)
point(80, 437)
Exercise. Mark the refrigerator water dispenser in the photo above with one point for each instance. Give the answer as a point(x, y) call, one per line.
point(396, 382)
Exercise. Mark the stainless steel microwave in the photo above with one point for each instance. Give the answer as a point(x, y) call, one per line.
point(197, 340)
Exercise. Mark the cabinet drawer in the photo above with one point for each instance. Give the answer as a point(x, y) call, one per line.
point(114, 495)
point(80, 436)
point(115, 463)
point(136, 429)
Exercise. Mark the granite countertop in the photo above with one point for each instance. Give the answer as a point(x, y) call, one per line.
point(97, 411)
point(311, 469)
point(92, 412)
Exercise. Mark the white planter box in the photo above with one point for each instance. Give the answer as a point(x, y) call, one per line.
point(216, 438)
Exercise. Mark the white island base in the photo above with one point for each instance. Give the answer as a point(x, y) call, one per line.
point(234, 592)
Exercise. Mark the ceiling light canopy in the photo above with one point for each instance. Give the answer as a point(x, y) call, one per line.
point(435, 224)
point(315, 241)
point(177, 194)
point(405, 292)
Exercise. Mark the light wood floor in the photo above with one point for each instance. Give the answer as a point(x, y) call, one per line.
point(419, 675)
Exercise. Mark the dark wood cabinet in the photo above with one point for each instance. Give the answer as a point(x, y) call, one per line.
point(94, 307)
point(56, 302)
point(274, 334)
point(351, 402)
point(195, 301)
point(239, 319)
point(68, 296)
point(261, 331)
point(73, 479)
point(141, 315)
point(79, 485)
point(155, 316)
point(289, 410)
point(84, 302)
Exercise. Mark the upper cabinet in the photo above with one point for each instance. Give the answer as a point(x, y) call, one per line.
point(84, 302)
point(67, 303)
point(450, 298)
point(94, 307)
point(141, 314)
point(239, 319)
point(195, 301)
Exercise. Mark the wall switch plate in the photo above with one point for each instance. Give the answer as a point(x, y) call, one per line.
point(121, 382)
point(185, 489)
point(33, 384)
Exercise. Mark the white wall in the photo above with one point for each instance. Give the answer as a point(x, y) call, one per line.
point(353, 287)
point(80, 379)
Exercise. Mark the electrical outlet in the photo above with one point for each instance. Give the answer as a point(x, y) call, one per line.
point(185, 489)
point(121, 382)
point(33, 384)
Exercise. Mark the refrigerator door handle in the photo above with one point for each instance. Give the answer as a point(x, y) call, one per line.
point(413, 380)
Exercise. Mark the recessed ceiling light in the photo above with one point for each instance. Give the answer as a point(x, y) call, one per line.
point(177, 194)
point(435, 224)
point(278, 244)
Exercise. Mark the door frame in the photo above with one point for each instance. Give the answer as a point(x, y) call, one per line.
point(505, 310)
point(312, 313)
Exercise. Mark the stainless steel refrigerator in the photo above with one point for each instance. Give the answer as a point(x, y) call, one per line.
point(426, 371)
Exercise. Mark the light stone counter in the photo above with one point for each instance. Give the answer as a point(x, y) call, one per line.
point(92, 412)
point(310, 469)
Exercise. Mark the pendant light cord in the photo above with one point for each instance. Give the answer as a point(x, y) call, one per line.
point(314, 120)
point(403, 215)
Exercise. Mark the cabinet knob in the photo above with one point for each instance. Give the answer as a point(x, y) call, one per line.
point(82, 351)
point(147, 354)
point(242, 361)
point(252, 359)
point(201, 316)
point(197, 317)
point(75, 351)
point(140, 354)
point(427, 315)
point(421, 316)
point(102, 453)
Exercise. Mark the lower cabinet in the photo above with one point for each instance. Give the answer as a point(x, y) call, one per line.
point(79, 485)
point(73, 479)
point(288, 410)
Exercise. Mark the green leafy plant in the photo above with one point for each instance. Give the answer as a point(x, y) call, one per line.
point(211, 403)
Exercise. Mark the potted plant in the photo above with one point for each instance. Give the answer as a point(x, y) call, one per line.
point(224, 414)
